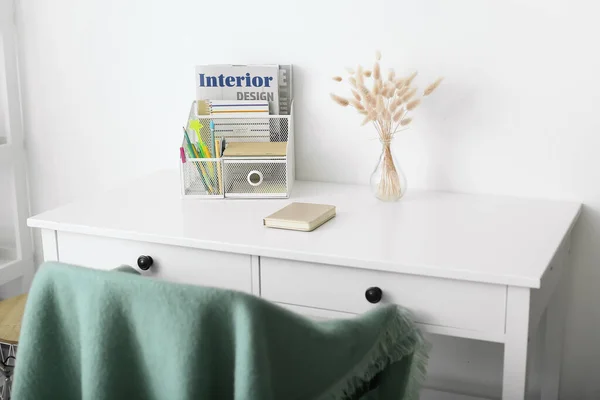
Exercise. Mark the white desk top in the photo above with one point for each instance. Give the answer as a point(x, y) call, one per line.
point(493, 239)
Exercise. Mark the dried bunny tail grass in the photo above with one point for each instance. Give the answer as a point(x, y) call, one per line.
point(411, 78)
point(369, 99)
point(370, 117)
point(413, 104)
point(386, 115)
point(391, 75)
point(402, 92)
point(363, 89)
point(376, 71)
point(380, 86)
point(356, 104)
point(395, 103)
point(398, 115)
point(350, 70)
point(367, 73)
point(362, 112)
point(340, 100)
point(389, 86)
point(380, 105)
point(433, 86)
point(378, 55)
point(400, 83)
point(356, 95)
point(409, 95)
point(405, 121)
point(360, 80)
point(359, 75)
point(337, 78)
point(372, 102)
point(376, 87)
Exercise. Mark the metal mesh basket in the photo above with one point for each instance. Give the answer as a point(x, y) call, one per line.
point(255, 178)
point(202, 177)
point(248, 177)
point(8, 352)
point(260, 129)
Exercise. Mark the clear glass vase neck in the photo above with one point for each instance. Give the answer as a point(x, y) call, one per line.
point(388, 182)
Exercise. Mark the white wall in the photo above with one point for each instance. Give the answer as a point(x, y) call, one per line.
point(7, 235)
point(107, 84)
point(6, 222)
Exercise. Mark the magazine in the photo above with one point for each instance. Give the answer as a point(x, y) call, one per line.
point(285, 89)
point(239, 82)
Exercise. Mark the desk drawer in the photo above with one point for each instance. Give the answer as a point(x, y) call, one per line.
point(171, 263)
point(434, 301)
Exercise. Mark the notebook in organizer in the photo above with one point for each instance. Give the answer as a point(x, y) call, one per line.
point(256, 149)
point(233, 108)
point(300, 216)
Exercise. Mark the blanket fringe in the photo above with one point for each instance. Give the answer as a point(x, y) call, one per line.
point(400, 339)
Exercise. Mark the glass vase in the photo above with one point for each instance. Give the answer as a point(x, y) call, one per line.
point(388, 182)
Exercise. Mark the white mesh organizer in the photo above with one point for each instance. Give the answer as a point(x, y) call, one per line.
point(240, 177)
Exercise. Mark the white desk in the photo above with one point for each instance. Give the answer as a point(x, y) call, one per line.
point(472, 266)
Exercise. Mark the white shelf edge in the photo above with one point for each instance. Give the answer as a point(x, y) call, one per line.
point(7, 252)
point(10, 270)
point(430, 394)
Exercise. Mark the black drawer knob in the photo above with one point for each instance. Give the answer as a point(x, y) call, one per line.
point(373, 294)
point(145, 262)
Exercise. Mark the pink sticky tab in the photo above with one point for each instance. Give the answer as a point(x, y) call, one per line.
point(182, 154)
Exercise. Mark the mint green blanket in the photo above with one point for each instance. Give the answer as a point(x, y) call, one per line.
point(91, 334)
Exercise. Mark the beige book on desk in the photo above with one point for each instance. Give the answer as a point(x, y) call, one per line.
point(300, 216)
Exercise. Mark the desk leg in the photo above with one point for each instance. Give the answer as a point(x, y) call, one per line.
point(50, 245)
point(514, 379)
point(553, 342)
